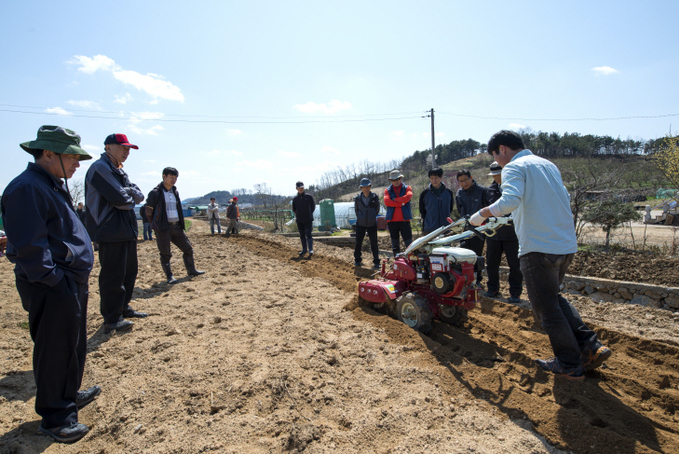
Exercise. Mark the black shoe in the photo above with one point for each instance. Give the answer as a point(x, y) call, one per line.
point(68, 433)
point(514, 300)
point(311, 253)
point(172, 280)
point(196, 272)
point(131, 313)
point(358, 264)
point(85, 397)
point(302, 253)
point(490, 294)
point(377, 267)
point(120, 325)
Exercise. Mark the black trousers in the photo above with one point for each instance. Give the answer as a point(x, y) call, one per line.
point(372, 234)
point(494, 250)
point(57, 320)
point(475, 244)
point(174, 235)
point(117, 277)
point(402, 227)
point(305, 229)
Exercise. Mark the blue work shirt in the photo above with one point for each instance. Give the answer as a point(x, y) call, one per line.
point(532, 190)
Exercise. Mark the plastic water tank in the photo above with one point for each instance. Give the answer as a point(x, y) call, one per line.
point(327, 215)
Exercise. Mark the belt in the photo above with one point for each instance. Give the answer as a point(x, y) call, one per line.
point(173, 223)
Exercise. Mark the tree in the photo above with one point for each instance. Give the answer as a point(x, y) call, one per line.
point(609, 214)
point(666, 157)
point(77, 190)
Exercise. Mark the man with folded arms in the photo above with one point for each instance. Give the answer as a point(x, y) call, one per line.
point(111, 198)
point(53, 256)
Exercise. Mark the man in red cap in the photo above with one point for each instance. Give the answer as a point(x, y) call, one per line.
point(111, 197)
point(233, 214)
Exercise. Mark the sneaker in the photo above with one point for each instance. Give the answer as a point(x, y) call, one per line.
point(514, 300)
point(302, 253)
point(311, 253)
point(358, 264)
point(85, 397)
point(120, 325)
point(490, 294)
point(66, 434)
point(593, 360)
point(554, 366)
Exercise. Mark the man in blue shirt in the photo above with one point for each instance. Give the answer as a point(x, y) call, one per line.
point(532, 190)
point(436, 203)
point(53, 256)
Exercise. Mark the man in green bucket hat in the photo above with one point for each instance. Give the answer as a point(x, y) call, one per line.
point(53, 256)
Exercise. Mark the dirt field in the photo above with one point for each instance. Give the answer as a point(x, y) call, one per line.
point(268, 353)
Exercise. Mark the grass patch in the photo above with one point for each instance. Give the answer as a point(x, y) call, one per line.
point(187, 225)
point(23, 325)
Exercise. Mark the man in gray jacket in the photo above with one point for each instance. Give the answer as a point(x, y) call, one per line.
point(112, 222)
point(366, 206)
point(213, 216)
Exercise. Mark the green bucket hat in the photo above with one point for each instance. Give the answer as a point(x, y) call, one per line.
point(57, 139)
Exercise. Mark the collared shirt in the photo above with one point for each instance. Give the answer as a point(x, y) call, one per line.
point(171, 206)
point(532, 190)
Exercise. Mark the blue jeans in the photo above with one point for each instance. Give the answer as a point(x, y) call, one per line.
point(305, 235)
point(148, 233)
point(214, 221)
point(568, 334)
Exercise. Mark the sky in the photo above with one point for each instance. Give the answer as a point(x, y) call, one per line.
point(234, 94)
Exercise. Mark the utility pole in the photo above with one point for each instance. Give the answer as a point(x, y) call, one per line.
point(433, 146)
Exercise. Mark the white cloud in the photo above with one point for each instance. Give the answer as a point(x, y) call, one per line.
point(84, 104)
point(234, 132)
point(260, 164)
point(332, 107)
point(604, 71)
point(397, 135)
point(91, 65)
point(136, 117)
point(289, 154)
point(152, 131)
point(152, 84)
point(516, 126)
point(92, 148)
point(123, 99)
point(329, 150)
point(58, 111)
point(216, 152)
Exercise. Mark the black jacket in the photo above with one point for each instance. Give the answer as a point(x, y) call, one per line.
point(506, 233)
point(366, 216)
point(435, 207)
point(45, 238)
point(110, 198)
point(471, 200)
point(156, 200)
point(303, 206)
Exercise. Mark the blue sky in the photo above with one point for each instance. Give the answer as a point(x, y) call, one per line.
point(238, 93)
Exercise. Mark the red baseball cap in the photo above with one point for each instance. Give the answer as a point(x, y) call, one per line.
point(235, 199)
point(120, 139)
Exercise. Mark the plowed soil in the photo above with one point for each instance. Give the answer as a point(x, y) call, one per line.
point(268, 352)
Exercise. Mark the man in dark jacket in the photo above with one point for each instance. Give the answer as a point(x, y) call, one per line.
point(470, 198)
point(80, 212)
point(366, 206)
point(504, 240)
point(303, 207)
point(53, 256)
point(233, 215)
point(436, 203)
point(164, 209)
point(146, 223)
point(112, 223)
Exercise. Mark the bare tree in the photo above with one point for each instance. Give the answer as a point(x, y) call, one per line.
point(77, 190)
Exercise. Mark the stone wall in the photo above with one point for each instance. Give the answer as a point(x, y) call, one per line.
point(621, 291)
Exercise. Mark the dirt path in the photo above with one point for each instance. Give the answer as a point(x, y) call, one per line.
point(269, 353)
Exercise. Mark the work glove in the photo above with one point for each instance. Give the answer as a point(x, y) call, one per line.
point(476, 219)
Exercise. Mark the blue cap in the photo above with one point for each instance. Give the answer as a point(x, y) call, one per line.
point(365, 182)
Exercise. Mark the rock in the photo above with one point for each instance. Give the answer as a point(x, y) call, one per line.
point(601, 297)
point(625, 293)
point(576, 285)
point(645, 301)
point(652, 294)
point(588, 289)
point(672, 302)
